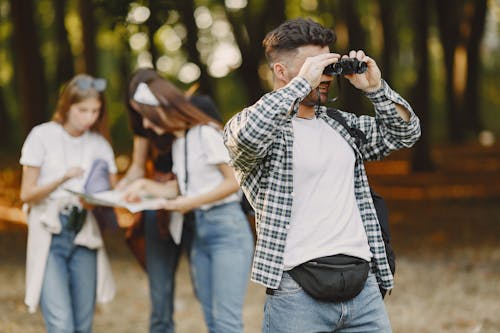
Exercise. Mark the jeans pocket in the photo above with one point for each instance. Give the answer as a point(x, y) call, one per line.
point(287, 286)
point(371, 284)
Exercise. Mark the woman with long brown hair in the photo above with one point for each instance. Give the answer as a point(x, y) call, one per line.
point(205, 185)
point(149, 237)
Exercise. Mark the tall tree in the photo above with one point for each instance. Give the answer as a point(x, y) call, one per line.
point(250, 26)
point(86, 10)
point(159, 11)
point(64, 68)
point(186, 9)
point(449, 13)
point(28, 64)
point(476, 14)
point(357, 41)
point(4, 115)
point(421, 160)
point(461, 26)
point(386, 8)
point(4, 118)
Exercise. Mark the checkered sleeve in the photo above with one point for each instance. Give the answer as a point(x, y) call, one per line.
point(250, 133)
point(387, 131)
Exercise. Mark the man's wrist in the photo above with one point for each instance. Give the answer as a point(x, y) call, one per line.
point(371, 90)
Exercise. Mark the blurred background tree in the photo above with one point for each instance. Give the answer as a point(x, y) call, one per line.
point(442, 55)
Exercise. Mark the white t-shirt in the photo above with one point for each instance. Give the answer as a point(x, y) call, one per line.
point(325, 216)
point(52, 149)
point(205, 149)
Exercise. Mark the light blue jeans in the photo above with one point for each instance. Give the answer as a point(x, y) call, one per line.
point(69, 285)
point(220, 262)
point(291, 310)
point(162, 258)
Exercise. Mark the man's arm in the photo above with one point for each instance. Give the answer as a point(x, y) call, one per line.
point(250, 133)
point(394, 126)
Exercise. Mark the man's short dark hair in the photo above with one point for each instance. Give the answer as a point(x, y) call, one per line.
point(295, 33)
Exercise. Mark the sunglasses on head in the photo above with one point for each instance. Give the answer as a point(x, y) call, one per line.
point(85, 83)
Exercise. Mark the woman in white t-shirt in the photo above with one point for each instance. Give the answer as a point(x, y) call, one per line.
point(66, 267)
point(223, 244)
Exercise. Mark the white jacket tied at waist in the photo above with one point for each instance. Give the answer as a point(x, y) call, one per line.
point(43, 221)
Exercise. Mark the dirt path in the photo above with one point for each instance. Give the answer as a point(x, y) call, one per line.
point(445, 228)
point(448, 277)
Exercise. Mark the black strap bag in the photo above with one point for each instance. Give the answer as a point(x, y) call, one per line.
point(378, 201)
point(334, 278)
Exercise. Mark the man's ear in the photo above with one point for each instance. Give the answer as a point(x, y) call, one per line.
point(280, 71)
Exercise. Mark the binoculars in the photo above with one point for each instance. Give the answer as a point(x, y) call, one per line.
point(345, 67)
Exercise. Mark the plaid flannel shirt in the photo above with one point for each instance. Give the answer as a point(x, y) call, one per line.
point(260, 143)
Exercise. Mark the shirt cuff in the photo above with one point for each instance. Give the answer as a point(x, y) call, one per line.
point(380, 95)
point(384, 99)
point(298, 87)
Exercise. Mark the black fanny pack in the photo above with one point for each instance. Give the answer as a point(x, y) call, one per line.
point(335, 278)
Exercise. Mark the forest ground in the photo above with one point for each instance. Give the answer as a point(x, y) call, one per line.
point(445, 231)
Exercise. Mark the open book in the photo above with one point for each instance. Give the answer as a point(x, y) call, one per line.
point(115, 199)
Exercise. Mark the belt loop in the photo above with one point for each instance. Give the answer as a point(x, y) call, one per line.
point(270, 291)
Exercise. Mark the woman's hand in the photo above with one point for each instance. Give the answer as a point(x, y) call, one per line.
point(31, 192)
point(73, 172)
point(134, 191)
point(180, 204)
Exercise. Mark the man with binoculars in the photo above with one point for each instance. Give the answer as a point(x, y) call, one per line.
point(319, 247)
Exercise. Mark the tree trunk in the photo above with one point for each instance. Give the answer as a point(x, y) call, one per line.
point(4, 119)
point(5, 124)
point(155, 21)
point(64, 68)
point(472, 107)
point(351, 99)
point(28, 65)
point(86, 9)
point(186, 9)
point(449, 19)
point(250, 26)
point(388, 29)
point(421, 160)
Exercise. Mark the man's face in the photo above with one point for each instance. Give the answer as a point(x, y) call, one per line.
point(293, 63)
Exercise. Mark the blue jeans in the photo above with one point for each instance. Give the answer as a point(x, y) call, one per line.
point(291, 310)
point(69, 285)
point(220, 263)
point(162, 258)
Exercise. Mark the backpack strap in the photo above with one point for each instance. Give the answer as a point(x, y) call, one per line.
point(378, 201)
point(358, 135)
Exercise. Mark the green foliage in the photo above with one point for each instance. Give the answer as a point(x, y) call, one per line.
point(116, 60)
point(231, 99)
point(121, 135)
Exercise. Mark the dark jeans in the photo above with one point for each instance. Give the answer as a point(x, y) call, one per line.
point(162, 259)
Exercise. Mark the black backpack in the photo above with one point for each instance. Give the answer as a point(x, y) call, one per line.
point(378, 201)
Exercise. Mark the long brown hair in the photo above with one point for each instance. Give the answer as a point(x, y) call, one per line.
point(175, 111)
point(73, 93)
